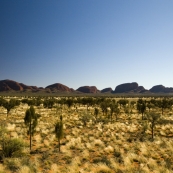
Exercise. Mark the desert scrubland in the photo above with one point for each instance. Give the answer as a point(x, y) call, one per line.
point(100, 135)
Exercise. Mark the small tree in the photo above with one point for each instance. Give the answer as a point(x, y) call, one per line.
point(48, 103)
point(88, 101)
point(141, 107)
point(31, 122)
point(38, 101)
point(113, 108)
point(30, 102)
point(69, 102)
point(104, 106)
point(149, 105)
point(59, 131)
point(96, 112)
point(10, 105)
point(153, 118)
point(117, 112)
point(163, 104)
point(122, 102)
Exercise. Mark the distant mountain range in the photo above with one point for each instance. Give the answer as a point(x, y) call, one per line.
point(10, 85)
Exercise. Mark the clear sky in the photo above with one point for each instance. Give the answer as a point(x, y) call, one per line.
point(100, 43)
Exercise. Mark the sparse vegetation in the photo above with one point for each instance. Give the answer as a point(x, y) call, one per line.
point(92, 140)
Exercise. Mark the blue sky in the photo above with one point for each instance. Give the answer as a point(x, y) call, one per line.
point(100, 43)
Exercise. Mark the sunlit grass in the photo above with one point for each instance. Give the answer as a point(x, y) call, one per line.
point(96, 147)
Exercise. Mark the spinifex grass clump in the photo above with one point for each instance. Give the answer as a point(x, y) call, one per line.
point(10, 147)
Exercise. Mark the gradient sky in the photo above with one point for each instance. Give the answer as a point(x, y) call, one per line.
point(100, 43)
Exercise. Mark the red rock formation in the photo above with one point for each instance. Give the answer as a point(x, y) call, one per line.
point(88, 89)
point(126, 87)
point(161, 88)
point(106, 90)
point(9, 85)
point(140, 89)
point(59, 87)
point(28, 87)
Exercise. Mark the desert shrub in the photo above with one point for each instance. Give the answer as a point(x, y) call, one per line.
point(118, 156)
point(8, 105)
point(25, 161)
point(105, 160)
point(97, 159)
point(12, 164)
point(85, 117)
point(11, 148)
point(45, 155)
point(168, 163)
point(67, 159)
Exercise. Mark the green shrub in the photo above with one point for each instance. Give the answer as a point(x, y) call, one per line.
point(85, 117)
point(11, 148)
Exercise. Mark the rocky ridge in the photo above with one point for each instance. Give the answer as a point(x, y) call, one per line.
point(10, 85)
point(129, 87)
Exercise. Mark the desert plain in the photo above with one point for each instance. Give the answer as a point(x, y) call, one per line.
point(92, 141)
